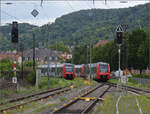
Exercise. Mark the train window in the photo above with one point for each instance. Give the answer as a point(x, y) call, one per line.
point(69, 68)
point(103, 68)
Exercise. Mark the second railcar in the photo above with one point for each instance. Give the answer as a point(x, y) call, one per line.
point(101, 71)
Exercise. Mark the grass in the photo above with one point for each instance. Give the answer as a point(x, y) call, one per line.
point(108, 106)
point(145, 104)
point(60, 82)
point(54, 83)
point(62, 99)
point(6, 92)
point(132, 82)
point(44, 107)
point(127, 105)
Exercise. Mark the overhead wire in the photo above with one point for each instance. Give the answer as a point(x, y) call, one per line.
point(11, 15)
point(70, 5)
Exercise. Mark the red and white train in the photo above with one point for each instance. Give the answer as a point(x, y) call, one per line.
point(68, 71)
point(98, 71)
point(65, 70)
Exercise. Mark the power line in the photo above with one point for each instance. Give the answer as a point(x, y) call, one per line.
point(70, 5)
point(11, 16)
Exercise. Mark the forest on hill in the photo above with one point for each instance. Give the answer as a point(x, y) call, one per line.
point(79, 27)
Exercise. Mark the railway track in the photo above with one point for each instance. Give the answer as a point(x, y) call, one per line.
point(84, 104)
point(21, 101)
point(132, 89)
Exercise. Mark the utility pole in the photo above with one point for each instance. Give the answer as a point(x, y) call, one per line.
point(48, 66)
point(21, 49)
point(90, 59)
point(33, 52)
point(73, 48)
point(87, 62)
point(72, 54)
point(56, 60)
point(34, 13)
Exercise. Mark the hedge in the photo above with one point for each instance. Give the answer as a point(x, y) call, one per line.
point(141, 75)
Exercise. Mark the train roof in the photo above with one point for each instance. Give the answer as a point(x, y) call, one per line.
point(53, 65)
point(50, 65)
point(102, 63)
point(68, 64)
point(78, 66)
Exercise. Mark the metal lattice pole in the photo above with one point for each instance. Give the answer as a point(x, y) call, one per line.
point(22, 69)
point(48, 68)
point(34, 52)
point(87, 62)
point(90, 59)
point(56, 60)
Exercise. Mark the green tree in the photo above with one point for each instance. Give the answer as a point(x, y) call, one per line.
point(60, 47)
point(143, 54)
point(28, 64)
point(135, 40)
point(6, 65)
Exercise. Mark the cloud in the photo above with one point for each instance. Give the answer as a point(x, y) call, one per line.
point(21, 10)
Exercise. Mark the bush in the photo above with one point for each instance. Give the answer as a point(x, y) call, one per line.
point(31, 78)
point(132, 80)
point(141, 75)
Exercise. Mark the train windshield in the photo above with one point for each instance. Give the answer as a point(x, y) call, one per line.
point(103, 68)
point(69, 68)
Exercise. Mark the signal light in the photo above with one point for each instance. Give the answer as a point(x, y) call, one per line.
point(14, 32)
point(119, 37)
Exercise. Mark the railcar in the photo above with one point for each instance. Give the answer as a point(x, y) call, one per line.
point(78, 70)
point(100, 71)
point(68, 71)
point(65, 70)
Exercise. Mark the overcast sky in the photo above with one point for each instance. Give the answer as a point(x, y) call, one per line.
point(50, 10)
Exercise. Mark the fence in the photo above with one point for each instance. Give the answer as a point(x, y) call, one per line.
point(142, 80)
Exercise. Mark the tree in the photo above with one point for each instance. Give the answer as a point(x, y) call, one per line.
point(135, 40)
point(6, 64)
point(143, 54)
point(60, 47)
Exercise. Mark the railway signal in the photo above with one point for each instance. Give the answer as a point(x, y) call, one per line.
point(14, 32)
point(14, 39)
point(119, 33)
point(119, 37)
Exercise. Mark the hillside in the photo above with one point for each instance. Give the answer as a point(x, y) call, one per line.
point(80, 28)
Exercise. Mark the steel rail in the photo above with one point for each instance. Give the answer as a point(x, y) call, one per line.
point(91, 105)
point(132, 89)
point(138, 89)
point(32, 95)
point(35, 99)
point(74, 101)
